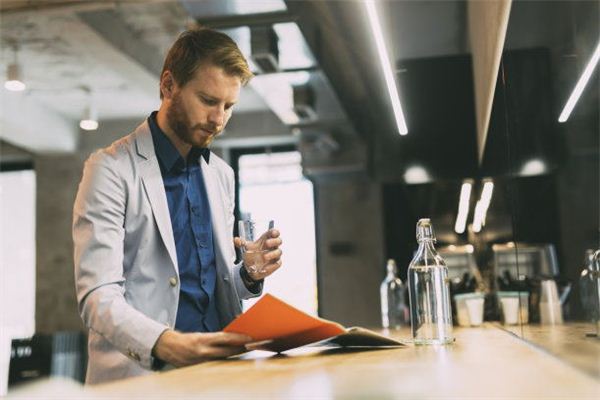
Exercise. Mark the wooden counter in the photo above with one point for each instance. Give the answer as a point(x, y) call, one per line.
point(484, 362)
point(570, 342)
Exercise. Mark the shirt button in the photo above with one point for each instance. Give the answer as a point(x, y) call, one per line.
point(173, 281)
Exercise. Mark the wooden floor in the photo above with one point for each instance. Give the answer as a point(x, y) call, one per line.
point(485, 362)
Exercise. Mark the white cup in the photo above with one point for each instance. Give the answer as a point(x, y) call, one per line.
point(510, 310)
point(550, 307)
point(462, 314)
point(475, 308)
point(514, 307)
point(469, 309)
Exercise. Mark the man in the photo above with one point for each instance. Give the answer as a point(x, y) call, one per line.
point(153, 225)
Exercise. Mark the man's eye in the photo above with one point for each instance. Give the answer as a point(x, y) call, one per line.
point(208, 101)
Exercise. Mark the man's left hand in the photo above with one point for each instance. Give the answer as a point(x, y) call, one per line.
point(272, 257)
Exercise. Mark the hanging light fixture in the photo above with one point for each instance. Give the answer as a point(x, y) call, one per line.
point(89, 121)
point(14, 80)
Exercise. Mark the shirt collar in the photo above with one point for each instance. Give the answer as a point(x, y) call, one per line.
point(166, 152)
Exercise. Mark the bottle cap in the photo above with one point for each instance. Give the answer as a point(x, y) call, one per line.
point(589, 258)
point(391, 265)
point(596, 261)
point(425, 229)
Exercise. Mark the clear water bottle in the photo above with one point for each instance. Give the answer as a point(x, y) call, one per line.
point(429, 291)
point(587, 286)
point(394, 312)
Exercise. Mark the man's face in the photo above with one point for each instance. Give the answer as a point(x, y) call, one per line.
point(199, 110)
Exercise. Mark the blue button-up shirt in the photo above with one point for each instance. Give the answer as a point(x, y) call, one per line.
point(192, 231)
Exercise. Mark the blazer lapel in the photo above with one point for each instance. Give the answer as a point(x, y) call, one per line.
point(217, 212)
point(155, 190)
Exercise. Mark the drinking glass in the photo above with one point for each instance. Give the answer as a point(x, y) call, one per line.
point(253, 235)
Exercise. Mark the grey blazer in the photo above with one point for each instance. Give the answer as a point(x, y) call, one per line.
point(126, 272)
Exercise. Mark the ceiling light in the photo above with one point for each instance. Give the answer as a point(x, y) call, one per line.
point(89, 122)
point(416, 174)
point(463, 208)
point(14, 80)
point(533, 167)
point(583, 80)
point(387, 67)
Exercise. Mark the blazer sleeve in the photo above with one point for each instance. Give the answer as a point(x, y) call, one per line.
point(98, 238)
point(243, 292)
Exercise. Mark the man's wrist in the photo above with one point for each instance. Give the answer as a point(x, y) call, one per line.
point(161, 350)
point(252, 285)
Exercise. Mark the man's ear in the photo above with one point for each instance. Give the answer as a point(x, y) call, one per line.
point(167, 84)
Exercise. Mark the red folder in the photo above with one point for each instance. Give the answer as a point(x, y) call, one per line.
point(278, 326)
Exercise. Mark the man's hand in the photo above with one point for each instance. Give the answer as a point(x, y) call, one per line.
point(272, 242)
point(181, 349)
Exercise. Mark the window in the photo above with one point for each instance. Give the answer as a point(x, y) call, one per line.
point(17, 253)
point(272, 187)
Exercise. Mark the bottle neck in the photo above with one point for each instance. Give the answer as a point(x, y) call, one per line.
point(392, 271)
point(427, 244)
point(426, 253)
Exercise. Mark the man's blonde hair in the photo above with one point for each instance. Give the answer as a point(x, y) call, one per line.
point(196, 47)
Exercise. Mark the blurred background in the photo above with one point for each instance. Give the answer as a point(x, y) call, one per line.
point(318, 144)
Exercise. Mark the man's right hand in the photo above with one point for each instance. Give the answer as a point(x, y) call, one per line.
point(181, 349)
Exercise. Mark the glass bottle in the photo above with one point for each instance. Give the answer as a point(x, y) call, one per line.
point(394, 312)
point(587, 286)
point(429, 291)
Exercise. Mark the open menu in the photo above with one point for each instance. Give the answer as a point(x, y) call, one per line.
point(277, 326)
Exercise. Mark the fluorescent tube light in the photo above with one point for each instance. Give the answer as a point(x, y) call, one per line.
point(463, 208)
point(486, 198)
point(486, 193)
point(585, 77)
point(482, 206)
point(387, 67)
point(478, 217)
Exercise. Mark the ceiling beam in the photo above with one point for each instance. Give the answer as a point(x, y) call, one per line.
point(47, 132)
point(115, 30)
point(488, 22)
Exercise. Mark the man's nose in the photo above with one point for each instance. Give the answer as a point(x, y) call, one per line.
point(217, 116)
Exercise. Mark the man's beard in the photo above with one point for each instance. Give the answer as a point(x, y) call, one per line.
point(179, 123)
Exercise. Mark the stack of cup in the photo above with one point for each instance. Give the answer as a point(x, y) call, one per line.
point(469, 309)
point(550, 307)
point(514, 307)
